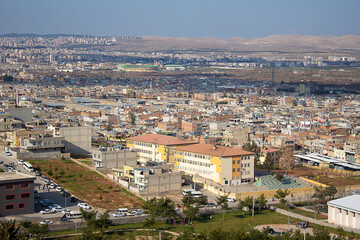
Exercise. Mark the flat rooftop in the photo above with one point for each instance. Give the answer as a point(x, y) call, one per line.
point(11, 176)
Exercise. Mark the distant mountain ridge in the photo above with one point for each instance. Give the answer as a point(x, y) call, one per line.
point(290, 43)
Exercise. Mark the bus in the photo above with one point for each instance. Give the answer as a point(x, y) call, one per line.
point(193, 193)
point(28, 167)
point(74, 214)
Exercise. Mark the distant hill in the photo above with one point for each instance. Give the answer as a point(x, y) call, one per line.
point(33, 35)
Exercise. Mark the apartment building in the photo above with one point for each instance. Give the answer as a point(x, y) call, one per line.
point(40, 146)
point(16, 194)
point(155, 147)
point(106, 159)
point(223, 165)
point(155, 181)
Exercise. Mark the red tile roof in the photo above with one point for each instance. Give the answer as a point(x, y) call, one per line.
point(161, 139)
point(209, 149)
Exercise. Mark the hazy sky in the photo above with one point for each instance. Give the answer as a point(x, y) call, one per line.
point(181, 18)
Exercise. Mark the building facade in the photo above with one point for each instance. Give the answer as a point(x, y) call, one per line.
point(345, 212)
point(223, 165)
point(16, 194)
point(155, 147)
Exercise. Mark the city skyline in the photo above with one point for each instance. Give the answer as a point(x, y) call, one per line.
point(186, 19)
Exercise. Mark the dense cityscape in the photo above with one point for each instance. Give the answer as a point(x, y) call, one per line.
point(140, 136)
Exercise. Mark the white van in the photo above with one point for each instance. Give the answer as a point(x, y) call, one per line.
point(122, 211)
point(74, 214)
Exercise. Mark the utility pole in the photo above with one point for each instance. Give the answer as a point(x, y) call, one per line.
point(253, 208)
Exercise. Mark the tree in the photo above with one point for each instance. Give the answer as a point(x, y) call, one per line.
point(287, 159)
point(321, 192)
point(279, 176)
point(94, 223)
point(281, 195)
point(261, 201)
point(163, 207)
point(132, 118)
point(247, 203)
point(269, 162)
point(223, 202)
point(8, 231)
point(191, 212)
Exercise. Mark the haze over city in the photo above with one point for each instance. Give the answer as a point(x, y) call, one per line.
point(201, 18)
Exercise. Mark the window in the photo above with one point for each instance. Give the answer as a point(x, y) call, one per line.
point(234, 162)
point(233, 169)
point(21, 205)
point(24, 195)
point(24, 185)
point(10, 187)
point(238, 161)
point(9, 196)
point(238, 169)
point(9, 207)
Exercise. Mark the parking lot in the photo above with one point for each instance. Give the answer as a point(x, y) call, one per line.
point(61, 199)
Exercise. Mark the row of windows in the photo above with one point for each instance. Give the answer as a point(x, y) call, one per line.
point(199, 171)
point(12, 186)
point(143, 144)
point(242, 158)
point(192, 162)
point(9, 207)
point(145, 151)
point(195, 155)
point(12, 196)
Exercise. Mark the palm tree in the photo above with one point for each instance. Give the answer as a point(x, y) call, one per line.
point(8, 231)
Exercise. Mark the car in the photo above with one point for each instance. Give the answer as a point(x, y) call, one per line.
point(84, 205)
point(7, 153)
point(211, 205)
point(230, 199)
point(42, 177)
point(64, 220)
point(139, 211)
point(48, 211)
point(302, 224)
point(43, 203)
point(52, 185)
point(1, 162)
point(273, 232)
point(47, 182)
point(118, 214)
point(48, 202)
point(73, 199)
point(46, 222)
point(58, 208)
point(21, 162)
point(36, 194)
point(66, 211)
point(59, 189)
point(37, 173)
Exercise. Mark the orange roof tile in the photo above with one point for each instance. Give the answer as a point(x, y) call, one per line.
point(209, 149)
point(161, 139)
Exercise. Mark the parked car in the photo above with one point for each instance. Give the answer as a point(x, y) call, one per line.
point(37, 173)
point(59, 189)
point(211, 205)
point(73, 199)
point(66, 211)
point(230, 199)
point(118, 214)
point(52, 185)
point(273, 232)
point(48, 211)
point(42, 177)
point(36, 194)
point(48, 202)
point(1, 162)
point(84, 205)
point(58, 208)
point(139, 211)
point(21, 162)
point(46, 222)
point(302, 224)
point(7, 153)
